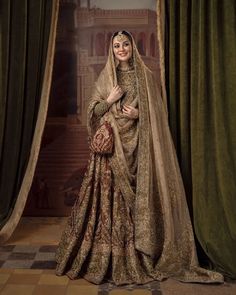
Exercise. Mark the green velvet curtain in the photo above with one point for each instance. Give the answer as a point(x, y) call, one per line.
point(201, 87)
point(25, 27)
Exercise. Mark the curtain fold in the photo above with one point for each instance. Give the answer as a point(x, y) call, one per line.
point(160, 10)
point(201, 90)
point(28, 30)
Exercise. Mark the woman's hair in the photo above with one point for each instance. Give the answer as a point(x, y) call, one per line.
point(124, 33)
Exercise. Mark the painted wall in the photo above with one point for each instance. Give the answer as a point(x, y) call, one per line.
point(83, 38)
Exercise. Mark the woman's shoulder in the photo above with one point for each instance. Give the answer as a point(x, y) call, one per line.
point(104, 74)
point(103, 82)
point(101, 77)
point(149, 73)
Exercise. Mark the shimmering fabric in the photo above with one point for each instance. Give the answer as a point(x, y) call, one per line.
point(130, 223)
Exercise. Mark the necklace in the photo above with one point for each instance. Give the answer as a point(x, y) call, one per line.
point(125, 69)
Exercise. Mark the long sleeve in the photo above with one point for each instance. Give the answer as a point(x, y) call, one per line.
point(101, 108)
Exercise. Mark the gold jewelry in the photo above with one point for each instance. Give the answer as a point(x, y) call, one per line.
point(125, 69)
point(121, 37)
point(131, 62)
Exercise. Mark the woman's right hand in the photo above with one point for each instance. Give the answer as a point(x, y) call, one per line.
point(115, 95)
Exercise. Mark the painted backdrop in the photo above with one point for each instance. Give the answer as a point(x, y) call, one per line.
point(83, 36)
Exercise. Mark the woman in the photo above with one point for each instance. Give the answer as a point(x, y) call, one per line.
point(130, 223)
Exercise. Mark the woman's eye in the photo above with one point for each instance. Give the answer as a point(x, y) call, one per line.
point(116, 46)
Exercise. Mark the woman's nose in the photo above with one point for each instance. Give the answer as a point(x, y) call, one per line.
point(122, 48)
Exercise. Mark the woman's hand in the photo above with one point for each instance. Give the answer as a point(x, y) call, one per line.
point(130, 112)
point(115, 95)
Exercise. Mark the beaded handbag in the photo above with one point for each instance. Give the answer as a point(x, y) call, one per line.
point(103, 139)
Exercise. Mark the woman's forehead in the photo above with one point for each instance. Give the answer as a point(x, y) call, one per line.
point(118, 39)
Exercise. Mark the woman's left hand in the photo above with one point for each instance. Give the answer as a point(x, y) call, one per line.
point(130, 112)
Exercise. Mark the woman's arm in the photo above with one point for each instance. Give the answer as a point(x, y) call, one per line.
point(102, 107)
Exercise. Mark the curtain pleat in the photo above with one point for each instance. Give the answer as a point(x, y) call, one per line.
point(201, 88)
point(160, 10)
point(28, 31)
point(4, 57)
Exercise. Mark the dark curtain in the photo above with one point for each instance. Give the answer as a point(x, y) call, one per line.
point(201, 87)
point(25, 27)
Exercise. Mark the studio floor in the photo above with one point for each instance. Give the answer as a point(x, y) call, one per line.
point(27, 267)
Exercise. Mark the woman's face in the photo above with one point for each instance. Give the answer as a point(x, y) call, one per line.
point(122, 48)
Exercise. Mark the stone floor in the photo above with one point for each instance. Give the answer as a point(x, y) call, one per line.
point(27, 267)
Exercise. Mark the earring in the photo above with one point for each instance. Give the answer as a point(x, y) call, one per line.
point(131, 62)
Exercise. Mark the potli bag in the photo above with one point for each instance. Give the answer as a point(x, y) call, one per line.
point(103, 139)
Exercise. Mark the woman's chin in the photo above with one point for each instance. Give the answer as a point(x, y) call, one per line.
point(123, 58)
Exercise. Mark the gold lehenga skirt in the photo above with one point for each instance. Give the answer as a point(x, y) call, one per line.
point(98, 242)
